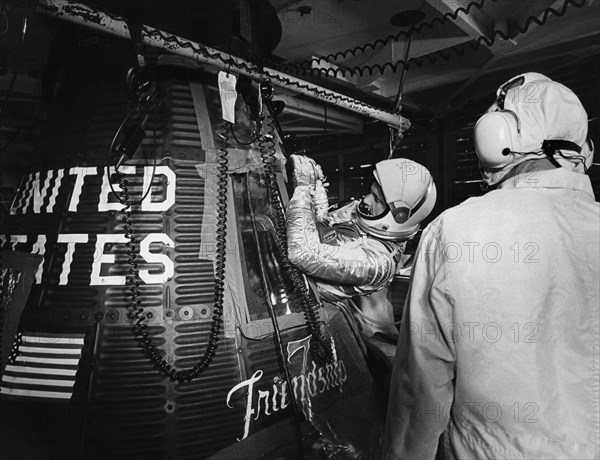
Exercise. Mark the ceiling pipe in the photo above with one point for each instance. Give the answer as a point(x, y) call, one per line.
point(95, 19)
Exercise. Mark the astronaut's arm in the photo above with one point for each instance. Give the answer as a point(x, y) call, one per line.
point(356, 266)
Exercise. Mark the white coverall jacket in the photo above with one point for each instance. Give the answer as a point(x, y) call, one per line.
point(499, 346)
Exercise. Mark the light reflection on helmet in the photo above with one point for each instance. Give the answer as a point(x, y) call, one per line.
point(410, 194)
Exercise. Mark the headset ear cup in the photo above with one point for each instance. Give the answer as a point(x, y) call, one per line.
point(495, 135)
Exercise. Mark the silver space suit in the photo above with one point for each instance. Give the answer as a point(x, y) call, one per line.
point(356, 250)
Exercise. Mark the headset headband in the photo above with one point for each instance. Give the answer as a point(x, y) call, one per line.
point(501, 93)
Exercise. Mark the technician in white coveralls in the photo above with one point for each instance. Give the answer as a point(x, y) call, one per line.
point(499, 346)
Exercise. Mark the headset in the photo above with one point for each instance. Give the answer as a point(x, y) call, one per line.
point(497, 136)
point(497, 132)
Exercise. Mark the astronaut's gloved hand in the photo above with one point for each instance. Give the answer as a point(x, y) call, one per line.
point(306, 171)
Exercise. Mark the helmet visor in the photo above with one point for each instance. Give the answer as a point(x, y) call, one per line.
point(365, 210)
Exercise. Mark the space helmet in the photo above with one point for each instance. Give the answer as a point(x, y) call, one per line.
point(410, 195)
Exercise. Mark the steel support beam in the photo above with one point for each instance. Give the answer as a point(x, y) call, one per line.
point(95, 19)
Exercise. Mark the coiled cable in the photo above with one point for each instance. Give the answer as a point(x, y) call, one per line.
point(140, 328)
point(321, 350)
point(432, 58)
point(380, 42)
point(305, 68)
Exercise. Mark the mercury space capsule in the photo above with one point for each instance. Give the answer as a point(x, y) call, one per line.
point(148, 306)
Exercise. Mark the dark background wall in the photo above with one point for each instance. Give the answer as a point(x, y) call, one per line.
point(443, 143)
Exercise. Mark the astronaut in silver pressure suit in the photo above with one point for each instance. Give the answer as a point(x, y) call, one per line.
point(355, 251)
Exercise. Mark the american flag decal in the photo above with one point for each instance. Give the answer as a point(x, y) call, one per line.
point(44, 367)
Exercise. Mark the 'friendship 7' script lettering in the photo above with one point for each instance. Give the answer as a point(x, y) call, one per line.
point(308, 384)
